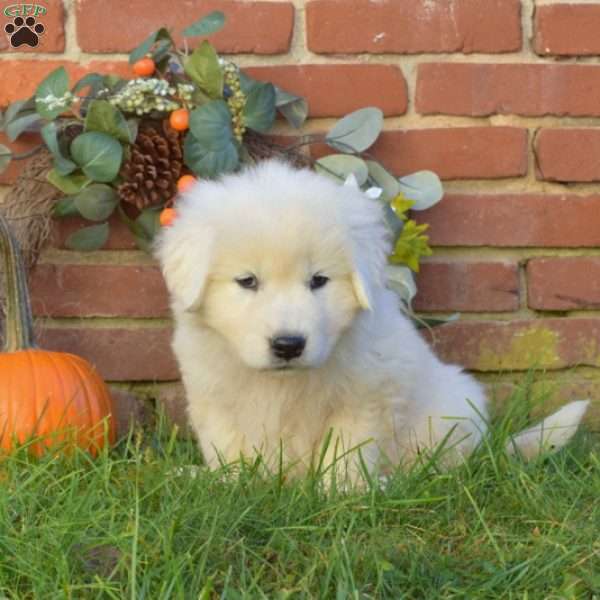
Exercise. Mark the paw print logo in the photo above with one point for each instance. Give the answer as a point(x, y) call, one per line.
point(24, 31)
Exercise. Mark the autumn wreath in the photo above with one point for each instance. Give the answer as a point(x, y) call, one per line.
point(126, 146)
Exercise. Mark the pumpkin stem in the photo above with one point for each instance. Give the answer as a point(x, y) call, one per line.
point(18, 328)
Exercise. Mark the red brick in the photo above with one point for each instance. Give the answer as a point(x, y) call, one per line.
point(519, 345)
point(456, 153)
point(335, 90)
point(72, 290)
point(566, 283)
point(413, 26)
point(448, 285)
point(251, 27)
point(20, 78)
point(568, 154)
point(514, 220)
point(135, 354)
point(567, 29)
point(522, 89)
point(52, 40)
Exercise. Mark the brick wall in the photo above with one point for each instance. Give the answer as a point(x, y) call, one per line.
point(500, 97)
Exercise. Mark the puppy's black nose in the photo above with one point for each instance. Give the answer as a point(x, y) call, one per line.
point(288, 346)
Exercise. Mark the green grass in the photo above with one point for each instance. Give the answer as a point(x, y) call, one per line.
point(130, 525)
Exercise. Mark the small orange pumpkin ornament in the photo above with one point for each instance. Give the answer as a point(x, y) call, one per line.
point(54, 397)
point(144, 67)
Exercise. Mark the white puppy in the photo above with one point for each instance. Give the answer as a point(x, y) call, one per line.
point(286, 334)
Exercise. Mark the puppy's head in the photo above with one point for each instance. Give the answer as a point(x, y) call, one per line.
point(277, 261)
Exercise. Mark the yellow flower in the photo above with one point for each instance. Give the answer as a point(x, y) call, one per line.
point(401, 205)
point(411, 245)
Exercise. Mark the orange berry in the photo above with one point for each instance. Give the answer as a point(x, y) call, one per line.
point(144, 67)
point(167, 216)
point(185, 182)
point(180, 119)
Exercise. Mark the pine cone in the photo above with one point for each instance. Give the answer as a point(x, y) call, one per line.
point(154, 166)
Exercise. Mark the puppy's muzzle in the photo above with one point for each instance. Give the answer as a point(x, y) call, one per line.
point(288, 347)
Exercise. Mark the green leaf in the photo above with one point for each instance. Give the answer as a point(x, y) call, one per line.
point(56, 85)
point(340, 166)
point(88, 238)
point(102, 116)
point(206, 25)
point(293, 108)
point(63, 165)
point(98, 154)
point(383, 179)
point(65, 208)
point(24, 122)
point(5, 158)
point(96, 202)
point(68, 184)
point(210, 124)
point(423, 322)
point(357, 131)
point(144, 227)
point(401, 280)
point(259, 110)
point(145, 47)
point(18, 109)
point(424, 188)
point(208, 161)
point(204, 70)
point(92, 80)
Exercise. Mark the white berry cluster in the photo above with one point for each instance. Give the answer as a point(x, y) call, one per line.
point(53, 102)
point(236, 100)
point(145, 95)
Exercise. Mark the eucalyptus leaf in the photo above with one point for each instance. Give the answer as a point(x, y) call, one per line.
point(88, 238)
point(203, 68)
point(13, 110)
point(99, 155)
point(340, 166)
point(208, 161)
point(92, 80)
point(21, 124)
point(293, 108)
point(63, 165)
point(103, 117)
point(133, 125)
point(393, 222)
point(5, 157)
point(423, 322)
point(211, 23)
point(247, 83)
point(401, 280)
point(383, 179)
point(65, 207)
point(259, 110)
point(145, 47)
point(144, 227)
point(210, 125)
point(96, 202)
point(68, 184)
point(56, 85)
point(357, 131)
point(424, 188)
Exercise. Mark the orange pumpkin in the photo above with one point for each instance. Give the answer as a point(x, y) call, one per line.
point(50, 397)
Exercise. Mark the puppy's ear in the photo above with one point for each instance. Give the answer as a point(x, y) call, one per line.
point(360, 283)
point(185, 258)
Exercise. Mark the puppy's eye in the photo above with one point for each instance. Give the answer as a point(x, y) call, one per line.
point(318, 281)
point(248, 282)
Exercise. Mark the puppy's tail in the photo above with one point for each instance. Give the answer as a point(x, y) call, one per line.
point(551, 434)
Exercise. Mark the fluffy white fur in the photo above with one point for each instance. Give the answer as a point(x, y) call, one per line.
point(366, 375)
